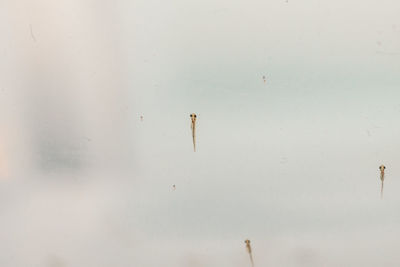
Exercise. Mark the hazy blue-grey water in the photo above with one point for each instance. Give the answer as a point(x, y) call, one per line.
point(291, 164)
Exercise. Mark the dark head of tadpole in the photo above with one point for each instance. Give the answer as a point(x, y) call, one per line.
point(382, 168)
point(247, 242)
point(193, 117)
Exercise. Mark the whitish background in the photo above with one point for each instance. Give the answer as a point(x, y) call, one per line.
point(291, 164)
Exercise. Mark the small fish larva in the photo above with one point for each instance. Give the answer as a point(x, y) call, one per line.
point(382, 169)
point(193, 118)
point(249, 251)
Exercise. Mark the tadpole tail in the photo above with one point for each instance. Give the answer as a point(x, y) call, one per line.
point(251, 259)
point(382, 190)
point(194, 136)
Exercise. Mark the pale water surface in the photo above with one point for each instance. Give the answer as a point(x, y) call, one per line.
point(291, 164)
